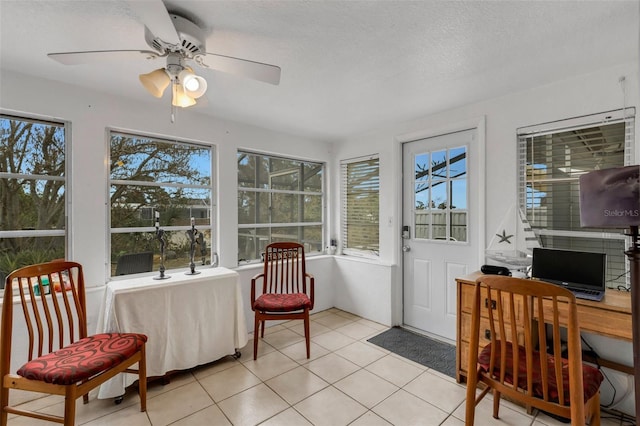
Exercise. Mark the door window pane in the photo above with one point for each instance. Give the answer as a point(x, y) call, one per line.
point(441, 196)
point(438, 165)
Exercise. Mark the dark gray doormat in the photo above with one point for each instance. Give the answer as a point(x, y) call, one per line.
point(423, 350)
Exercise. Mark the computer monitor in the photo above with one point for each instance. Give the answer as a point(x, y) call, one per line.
point(573, 269)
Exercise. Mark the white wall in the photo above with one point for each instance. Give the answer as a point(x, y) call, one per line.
point(364, 288)
point(581, 95)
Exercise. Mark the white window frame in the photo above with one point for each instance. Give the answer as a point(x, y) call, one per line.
point(65, 232)
point(271, 225)
point(212, 208)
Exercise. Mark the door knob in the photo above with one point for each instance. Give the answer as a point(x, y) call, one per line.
point(406, 248)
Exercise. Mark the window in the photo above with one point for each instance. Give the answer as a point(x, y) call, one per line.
point(32, 192)
point(279, 199)
point(172, 179)
point(440, 195)
point(361, 206)
point(552, 158)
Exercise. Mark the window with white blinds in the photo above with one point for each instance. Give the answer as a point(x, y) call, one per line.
point(552, 157)
point(361, 205)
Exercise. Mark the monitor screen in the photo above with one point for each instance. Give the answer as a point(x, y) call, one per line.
point(610, 198)
point(569, 268)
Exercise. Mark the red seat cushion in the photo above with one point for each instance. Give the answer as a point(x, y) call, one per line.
point(83, 359)
point(591, 376)
point(282, 302)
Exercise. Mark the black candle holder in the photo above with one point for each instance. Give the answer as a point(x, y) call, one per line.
point(203, 248)
point(194, 237)
point(161, 238)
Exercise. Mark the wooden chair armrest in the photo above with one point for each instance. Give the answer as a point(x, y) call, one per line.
point(253, 287)
point(311, 287)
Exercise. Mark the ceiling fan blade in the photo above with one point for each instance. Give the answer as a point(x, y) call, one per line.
point(153, 14)
point(255, 70)
point(86, 57)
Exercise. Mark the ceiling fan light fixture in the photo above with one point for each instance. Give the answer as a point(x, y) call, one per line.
point(193, 85)
point(180, 98)
point(155, 82)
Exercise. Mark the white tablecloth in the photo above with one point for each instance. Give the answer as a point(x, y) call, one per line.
point(190, 320)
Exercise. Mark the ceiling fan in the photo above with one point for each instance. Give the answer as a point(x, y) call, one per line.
point(180, 41)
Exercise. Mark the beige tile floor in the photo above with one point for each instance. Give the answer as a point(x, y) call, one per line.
point(347, 381)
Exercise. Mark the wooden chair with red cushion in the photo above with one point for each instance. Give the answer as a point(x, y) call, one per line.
point(525, 359)
point(287, 290)
point(62, 359)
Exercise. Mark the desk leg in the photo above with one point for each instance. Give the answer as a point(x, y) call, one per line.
point(634, 259)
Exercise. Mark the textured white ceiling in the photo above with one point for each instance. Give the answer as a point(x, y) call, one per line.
point(347, 66)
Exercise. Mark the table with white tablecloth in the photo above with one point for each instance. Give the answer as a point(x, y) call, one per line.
point(190, 320)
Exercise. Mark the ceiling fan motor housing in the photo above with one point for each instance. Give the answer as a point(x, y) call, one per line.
point(192, 38)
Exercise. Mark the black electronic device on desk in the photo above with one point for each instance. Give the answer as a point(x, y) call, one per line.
point(495, 270)
point(581, 272)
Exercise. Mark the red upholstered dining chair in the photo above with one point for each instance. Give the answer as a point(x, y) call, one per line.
point(287, 290)
point(522, 356)
point(62, 359)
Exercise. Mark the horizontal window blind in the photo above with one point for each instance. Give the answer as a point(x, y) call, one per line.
point(552, 157)
point(360, 204)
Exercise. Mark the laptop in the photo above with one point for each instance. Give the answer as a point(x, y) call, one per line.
point(581, 272)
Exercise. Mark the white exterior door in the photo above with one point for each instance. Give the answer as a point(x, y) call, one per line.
point(441, 192)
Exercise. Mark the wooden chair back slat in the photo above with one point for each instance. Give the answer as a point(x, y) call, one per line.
point(54, 315)
point(284, 269)
point(528, 345)
point(542, 337)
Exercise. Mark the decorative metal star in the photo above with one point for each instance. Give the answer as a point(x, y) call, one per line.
point(504, 237)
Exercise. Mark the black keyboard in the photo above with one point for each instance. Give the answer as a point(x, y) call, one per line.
point(587, 294)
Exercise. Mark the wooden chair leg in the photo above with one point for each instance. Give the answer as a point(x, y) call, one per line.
point(70, 407)
point(142, 379)
point(256, 336)
point(4, 401)
point(496, 403)
point(262, 329)
point(307, 334)
point(595, 414)
point(85, 397)
point(471, 400)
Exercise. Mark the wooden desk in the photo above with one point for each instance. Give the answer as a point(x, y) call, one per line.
point(611, 317)
point(190, 320)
